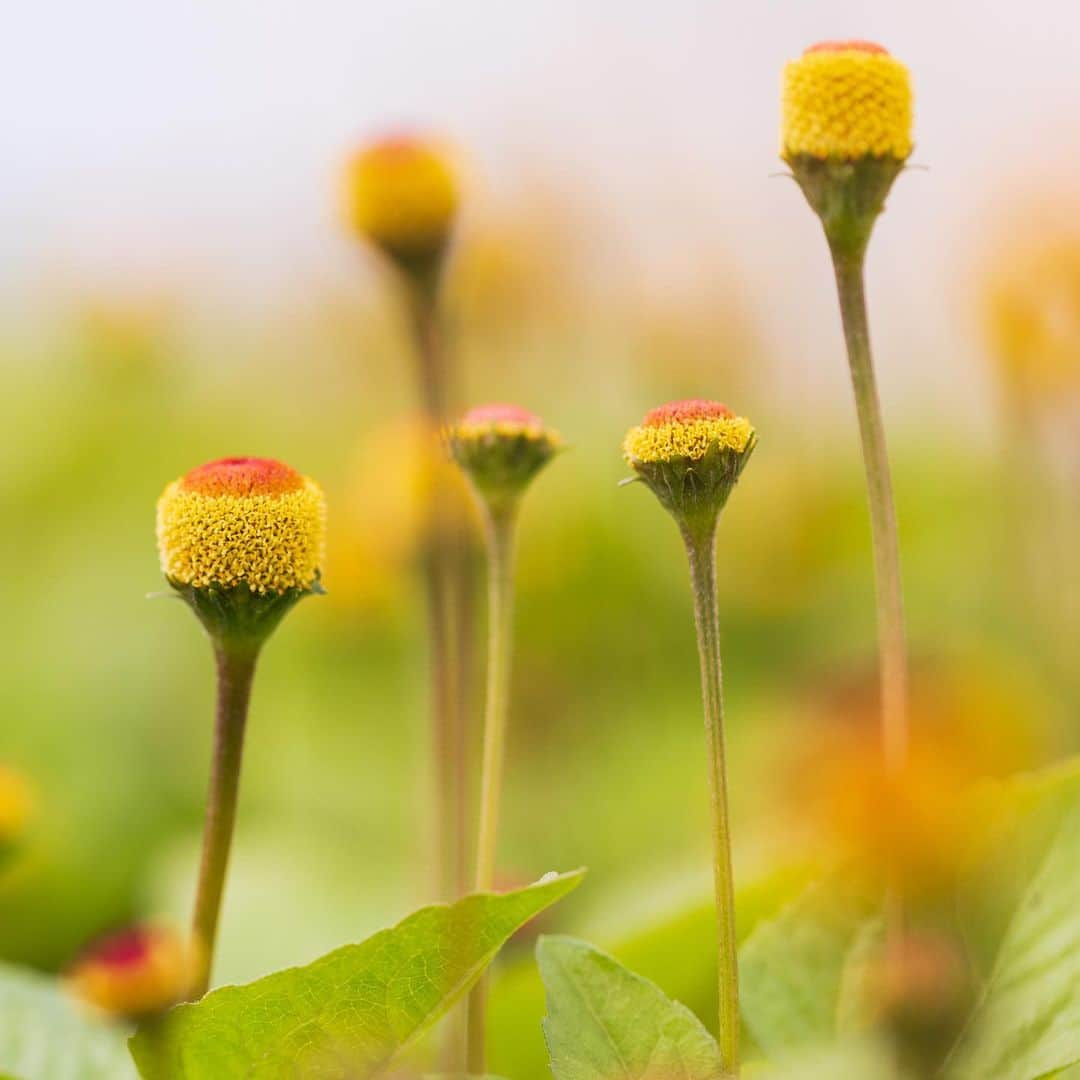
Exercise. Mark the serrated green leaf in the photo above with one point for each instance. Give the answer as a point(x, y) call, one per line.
point(792, 969)
point(604, 1021)
point(44, 1034)
point(347, 1014)
point(1027, 1023)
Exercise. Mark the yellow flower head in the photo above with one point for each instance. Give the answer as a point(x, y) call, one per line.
point(242, 521)
point(16, 805)
point(402, 195)
point(134, 973)
point(846, 100)
point(690, 454)
point(686, 429)
point(501, 448)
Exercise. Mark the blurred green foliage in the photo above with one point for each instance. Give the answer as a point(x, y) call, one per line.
point(106, 696)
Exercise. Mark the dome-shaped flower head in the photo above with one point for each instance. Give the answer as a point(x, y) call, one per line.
point(402, 195)
point(241, 529)
point(134, 973)
point(846, 100)
point(690, 453)
point(501, 448)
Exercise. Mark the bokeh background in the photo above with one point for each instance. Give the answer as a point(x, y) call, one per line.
point(176, 285)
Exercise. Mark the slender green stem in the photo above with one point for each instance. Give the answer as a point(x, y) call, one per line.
point(235, 670)
point(500, 533)
point(448, 580)
point(892, 645)
point(701, 550)
point(447, 583)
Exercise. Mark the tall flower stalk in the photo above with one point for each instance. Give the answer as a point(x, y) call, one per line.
point(691, 454)
point(402, 197)
point(846, 134)
point(241, 541)
point(500, 448)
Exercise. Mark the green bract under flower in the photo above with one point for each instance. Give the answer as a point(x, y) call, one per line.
point(501, 448)
point(690, 454)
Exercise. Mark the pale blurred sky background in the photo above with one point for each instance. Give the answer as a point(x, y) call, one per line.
point(198, 144)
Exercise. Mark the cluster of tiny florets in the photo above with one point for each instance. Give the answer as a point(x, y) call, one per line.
point(686, 430)
point(242, 521)
point(846, 100)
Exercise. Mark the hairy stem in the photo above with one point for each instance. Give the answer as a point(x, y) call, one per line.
point(892, 645)
point(500, 533)
point(235, 670)
point(701, 550)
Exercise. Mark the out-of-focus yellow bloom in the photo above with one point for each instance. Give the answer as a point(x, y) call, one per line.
point(16, 806)
point(1032, 305)
point(686, 429)
point(846, 100)
point(402, 195)
point(386, 511)
point(134, 973)
point(242, 521)
point(125, 333)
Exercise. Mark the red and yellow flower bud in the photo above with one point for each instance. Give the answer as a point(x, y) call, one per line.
point(401, 195)
point(846, 100)
point(135, 973)
point(501, 448)
point(250, 522)
point(690, 454)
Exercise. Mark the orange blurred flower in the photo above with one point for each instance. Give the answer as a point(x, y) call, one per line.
point(136, 972)
point(923, 823)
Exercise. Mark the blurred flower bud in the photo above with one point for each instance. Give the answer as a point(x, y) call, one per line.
point(135, 973)
point(402, 196)
point(691, 454)
point(501, 448)
point(1032, 306)
point(242, 539)
point(16, 808)
point(386, 516)
point(919, 991)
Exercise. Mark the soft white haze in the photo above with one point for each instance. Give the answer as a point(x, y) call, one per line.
point(202, 140)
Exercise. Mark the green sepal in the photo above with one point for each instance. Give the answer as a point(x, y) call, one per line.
point(847, 196)
point(500, 465)
point(694, 492)
point(236, 618)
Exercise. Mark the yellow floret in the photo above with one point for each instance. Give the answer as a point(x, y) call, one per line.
point(847, 104)
point(687, 439)
point(270, 542)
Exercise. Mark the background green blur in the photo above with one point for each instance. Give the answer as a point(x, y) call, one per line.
point(115, 383)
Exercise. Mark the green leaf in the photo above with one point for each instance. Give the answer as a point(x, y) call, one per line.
point(347, 1014)
point(662, 929)
point(1027, 1024)
point(604, 1021)
point(795, 969)
point(44, 1034)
